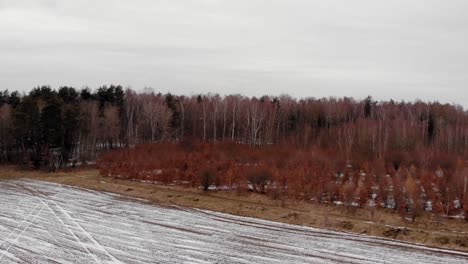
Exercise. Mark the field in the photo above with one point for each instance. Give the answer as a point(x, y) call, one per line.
point(448, 234)
point(48, 223)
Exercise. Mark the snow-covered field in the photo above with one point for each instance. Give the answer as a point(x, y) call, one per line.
point(51, 223)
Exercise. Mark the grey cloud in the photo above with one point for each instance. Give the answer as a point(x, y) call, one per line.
point(390, 49)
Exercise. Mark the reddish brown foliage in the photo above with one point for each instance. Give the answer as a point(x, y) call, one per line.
point(307, 174)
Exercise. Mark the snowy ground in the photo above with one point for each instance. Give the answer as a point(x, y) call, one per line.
point(51, 223)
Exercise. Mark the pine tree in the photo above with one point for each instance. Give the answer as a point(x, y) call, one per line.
point(368, 107)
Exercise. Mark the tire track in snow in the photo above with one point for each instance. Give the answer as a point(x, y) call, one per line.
point(140, 233)
point(39, 224)
point(26, 219)
point(88, 235)
point(39, 195)
point(18, 226)
point(14, 208)
point(94, 257)
point(42, 225)
point(21, 233)
point(275, 227)
point(280, 227)
point(36, 194)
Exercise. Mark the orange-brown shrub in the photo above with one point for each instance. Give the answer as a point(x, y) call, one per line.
point(310, 174)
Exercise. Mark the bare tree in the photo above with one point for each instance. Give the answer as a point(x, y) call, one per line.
point(109, 125)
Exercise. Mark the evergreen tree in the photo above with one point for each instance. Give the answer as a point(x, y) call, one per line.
point(27, 133)
point(86, 94)
point(14, 99)
point(430, 127)
point(71, 120)
point(68, 94)
point(368, 107)
point(51, 123)
point(171, 103)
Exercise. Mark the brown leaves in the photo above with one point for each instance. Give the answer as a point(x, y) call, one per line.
point(285, 170)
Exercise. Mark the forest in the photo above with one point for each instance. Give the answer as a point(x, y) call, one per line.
point(409, 156)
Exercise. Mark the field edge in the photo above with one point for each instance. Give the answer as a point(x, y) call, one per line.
point(450, 234)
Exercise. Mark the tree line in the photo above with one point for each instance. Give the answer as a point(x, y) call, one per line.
point(54, 128)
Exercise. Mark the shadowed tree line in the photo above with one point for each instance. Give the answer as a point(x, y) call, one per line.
point(54, 128)
point(48, 127)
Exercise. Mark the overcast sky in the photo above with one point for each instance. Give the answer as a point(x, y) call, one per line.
point(388, 49)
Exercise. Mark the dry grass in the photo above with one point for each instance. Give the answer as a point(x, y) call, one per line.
point(451, 234)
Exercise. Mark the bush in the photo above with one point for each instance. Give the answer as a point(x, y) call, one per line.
point(443, 240)
point(259, 179)
point(208, 178)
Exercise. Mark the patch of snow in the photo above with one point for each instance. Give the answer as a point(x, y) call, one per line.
point(46, 222)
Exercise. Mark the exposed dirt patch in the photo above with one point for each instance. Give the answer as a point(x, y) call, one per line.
point(291, 216)
point(347, 225)
point(443, 240)
point(395, 232)
point(461, 241)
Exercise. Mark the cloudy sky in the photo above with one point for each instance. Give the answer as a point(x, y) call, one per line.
point(396, 49)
